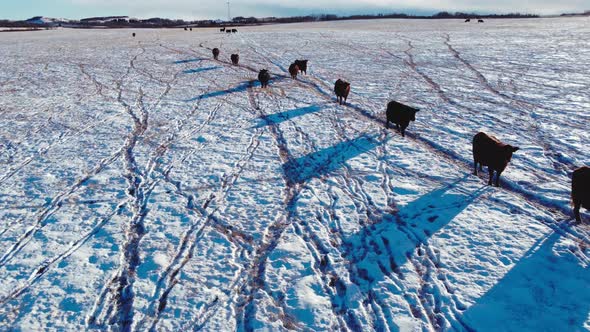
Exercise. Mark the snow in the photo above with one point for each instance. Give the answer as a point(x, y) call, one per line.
point(145, 186)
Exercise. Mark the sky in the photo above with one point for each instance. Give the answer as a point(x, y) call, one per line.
point(217, 9)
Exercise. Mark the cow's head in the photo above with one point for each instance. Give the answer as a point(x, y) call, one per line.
point(413, 114)
point(509, 150)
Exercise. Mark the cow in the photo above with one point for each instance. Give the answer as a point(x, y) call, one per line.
point(133, 34)
point(480, 21)
point(302, 64)
point(191, 29)
point(401, 115)
point(222, 29)
point(491, 152)
point(215, 53)
point(342, 89)
point(235, 58)
point(467, 20)
point(293, 70)
point(234, 30)
point(185, 29)
point(228, 31)
point(581, 190)
point(264, 77)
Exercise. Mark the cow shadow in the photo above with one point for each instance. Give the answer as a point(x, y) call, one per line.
point(188, 61)
point(381, 247)
point(241, 87)
point(199, 70)
point(545, 291)
point(327, 160)
point(277, 118)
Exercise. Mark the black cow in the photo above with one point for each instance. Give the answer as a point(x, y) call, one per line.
point(264, 78)
point(401, 115)
point(228, 31)
point(133, 34)
point(302, 64)
point(581, 190)
point(342, 89)
point(491, 152)
point(191, 29)
point(185, 29)
point(480, 21)
point(222, 29)
point(293, 70)
point(235, 58)
point(468, 20)
point(215, 53)
point(234, 30)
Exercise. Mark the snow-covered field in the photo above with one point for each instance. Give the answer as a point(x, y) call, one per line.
point(145, 186)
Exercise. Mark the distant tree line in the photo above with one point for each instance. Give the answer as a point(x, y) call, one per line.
point(586, 13)
point(17, 24)
point(126, 22)
point(474, 15)
point(440, 15)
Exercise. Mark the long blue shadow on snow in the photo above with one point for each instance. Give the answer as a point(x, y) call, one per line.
point(199, 70)
point(273, 119)
point(381, 247)
point(239, 88)
point(188, 61)
point(327, 160)
point(544, 291)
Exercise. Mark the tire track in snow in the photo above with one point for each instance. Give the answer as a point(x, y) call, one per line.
point(371, 215)
point(334, 290)
point(435, 87)
point(320, 254)
point(224, 229)
point(245, 309)
point(140, 187)
point(169, 278)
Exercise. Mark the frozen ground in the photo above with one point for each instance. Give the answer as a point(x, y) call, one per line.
point(145, 186)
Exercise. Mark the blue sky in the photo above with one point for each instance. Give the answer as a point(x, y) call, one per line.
point(197, 9)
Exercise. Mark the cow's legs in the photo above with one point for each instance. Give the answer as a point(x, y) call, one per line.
point(498, 179)
point(403, 132)
point(577, 205)
point(491, 171)
point(387, 124)
point(475, 164)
